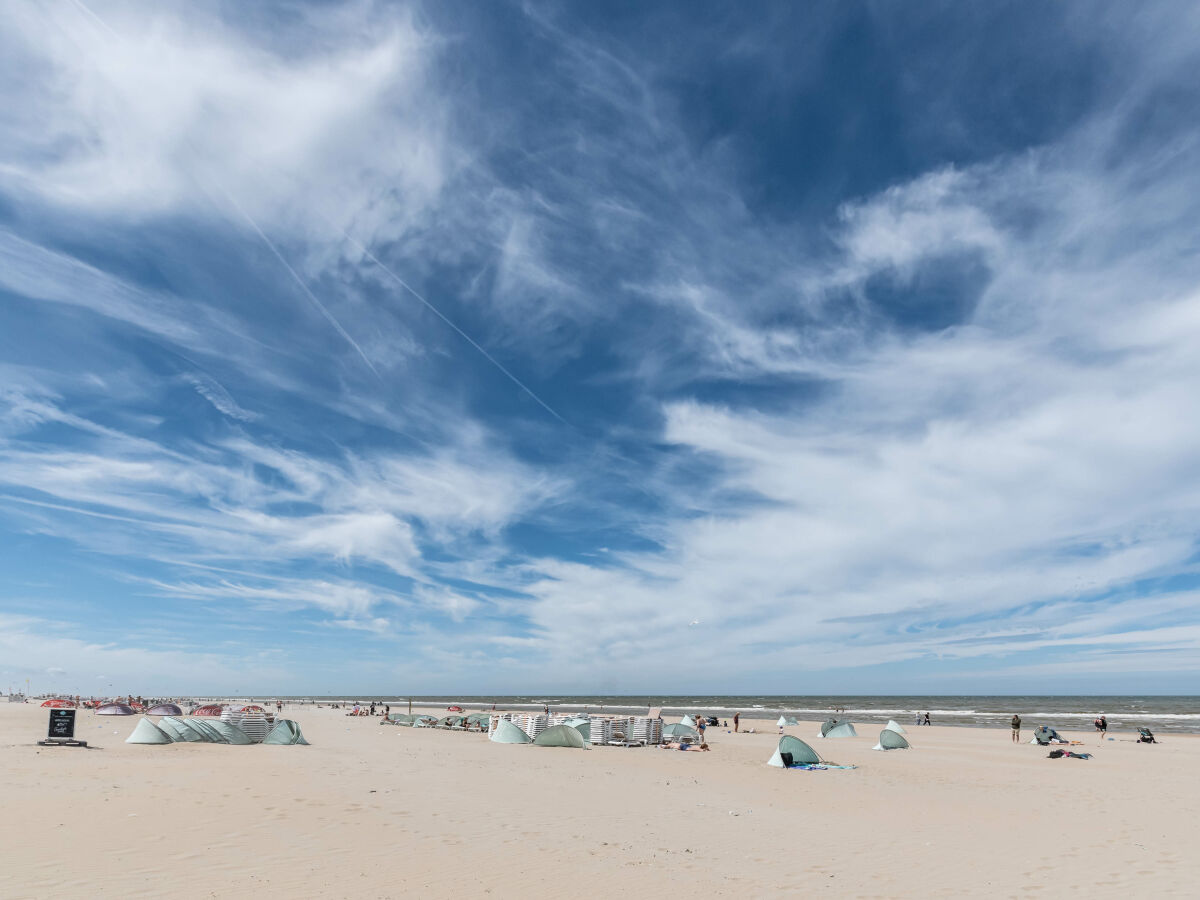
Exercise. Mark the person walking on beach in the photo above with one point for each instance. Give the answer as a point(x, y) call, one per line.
point(1103, 726)
point(1016, 729)
point(736, 716)
point(916, 718)
point(927, 722)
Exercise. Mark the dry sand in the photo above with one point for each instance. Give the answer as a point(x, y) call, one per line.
point(374, 811)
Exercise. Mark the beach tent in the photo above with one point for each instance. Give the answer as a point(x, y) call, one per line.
point(506, 732)
point(59, 704)
point(164, 709)
point(1044, 734)
point(229, 731)
point(827, 725)
point(115, 709)
point(177, 729)
point(401, 719)
point(675, 732)
point(891, 740)
point(561, 736)
point(844, 730)
point(801, 753)
point(688, 721)
point(204, 732)
point(895, 726)
point(212, 709)
point(424, 722)
point(147, 732)
point(583, 726)
point(787, 720)
point(285, 732)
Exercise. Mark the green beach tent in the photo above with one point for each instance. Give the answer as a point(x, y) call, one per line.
point(176, 729)
point(285, 731)
point(801, 753)
point(890, 740)
point(147, 732)
point(560, 736)
point(208, 734)
point(895, 726)
point(688, 721)
point(583, 726)
point(787, 720)
point(229, 731)
point(827, 725)
point(677, 731)
point(506, 732)
point(843, 730)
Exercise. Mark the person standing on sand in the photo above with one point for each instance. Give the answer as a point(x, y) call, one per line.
point(736, 716)
point(916, 718)
point(926, 722)
point(1103, 726)
point(1016, 729)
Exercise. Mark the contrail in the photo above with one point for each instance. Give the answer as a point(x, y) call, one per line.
point(300, 281)
point(466, 337)
point(329, 317)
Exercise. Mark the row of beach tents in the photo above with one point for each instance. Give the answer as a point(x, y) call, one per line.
point(472, 722)
point(172, 730)
point(792, 751)
point(572, 733)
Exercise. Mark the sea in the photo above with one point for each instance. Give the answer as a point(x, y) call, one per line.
point(1179, 714)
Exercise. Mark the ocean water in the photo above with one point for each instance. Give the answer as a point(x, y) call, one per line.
point(1160, 714)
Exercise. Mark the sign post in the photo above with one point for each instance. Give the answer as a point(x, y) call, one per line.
point(61, 731)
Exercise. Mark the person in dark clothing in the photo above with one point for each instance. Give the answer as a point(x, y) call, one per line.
point(926, 722)
point(736, 718)
point(1016, 729)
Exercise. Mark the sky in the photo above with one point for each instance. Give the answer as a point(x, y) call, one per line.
point(599, 348)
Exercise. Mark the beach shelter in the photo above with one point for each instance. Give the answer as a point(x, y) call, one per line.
point(843, 730)
point(401, 719)
point(424, 722)
point(506, 732)
point(675, 732)
point(115, 709)
point(229, 731)
point(583, 726)
point(177, 729)
point(147, 732)
point(164, 709)
point(801, 754)
point(285, 732)
point(212, 709)
point(1044, 734)
point(891, 740)
point(688, 721)
point(895, 726)
point(827, 725)
point(204, 732)
point(787, 720)
point(561, 736)
point(59, 704)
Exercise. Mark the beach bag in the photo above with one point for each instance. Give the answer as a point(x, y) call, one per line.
point(787, 760)
point(1056, 754)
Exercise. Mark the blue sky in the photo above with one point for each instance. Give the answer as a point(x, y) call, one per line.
point(586, 347)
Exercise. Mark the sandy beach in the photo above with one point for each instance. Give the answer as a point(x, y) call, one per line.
point(374, 811)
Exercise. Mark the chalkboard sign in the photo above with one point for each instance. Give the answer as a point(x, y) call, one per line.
point(62, 724)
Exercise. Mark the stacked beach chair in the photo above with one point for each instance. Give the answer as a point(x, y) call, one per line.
point(601, 731)
point(252, 721)
point(645, 730)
